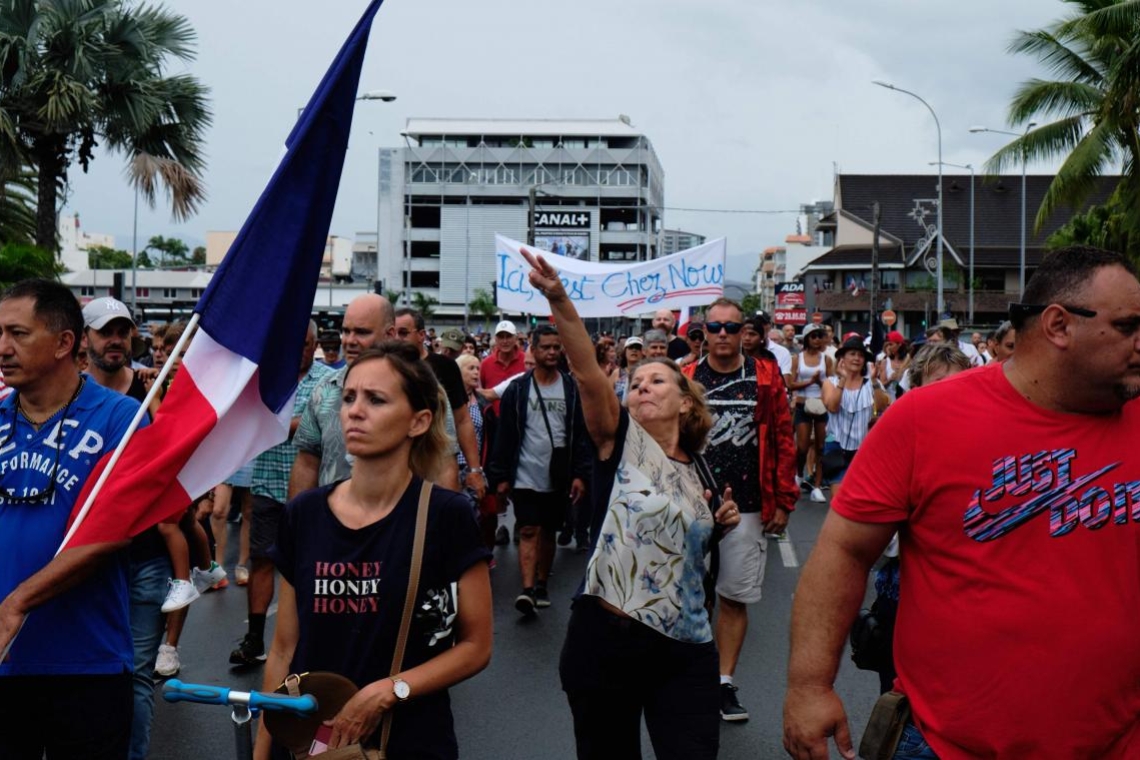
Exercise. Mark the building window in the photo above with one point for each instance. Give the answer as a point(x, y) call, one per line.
point(422, 280)
point(169, 293)
point(425, 249)
point(195, 292)
point(87, 290)
point(143, 293)
point(889, 280)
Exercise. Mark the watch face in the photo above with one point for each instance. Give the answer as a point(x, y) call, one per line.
point(402, 690)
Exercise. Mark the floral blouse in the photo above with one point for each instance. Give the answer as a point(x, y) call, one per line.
point(654, 531)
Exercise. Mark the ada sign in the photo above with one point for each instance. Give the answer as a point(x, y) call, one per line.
point(562, 220)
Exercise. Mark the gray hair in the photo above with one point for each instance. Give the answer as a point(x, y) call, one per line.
point(655, 336)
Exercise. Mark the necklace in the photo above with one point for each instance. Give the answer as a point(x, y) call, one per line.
point(39, 423)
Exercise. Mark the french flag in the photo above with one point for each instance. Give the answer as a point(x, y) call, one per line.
point(233, 395)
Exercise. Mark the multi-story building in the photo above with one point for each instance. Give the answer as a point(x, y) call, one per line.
point(837, 282)
point(74, 243)
point(591, 189)
point(679, 240)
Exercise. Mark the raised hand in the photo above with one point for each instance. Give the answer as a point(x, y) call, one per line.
point(543, 276)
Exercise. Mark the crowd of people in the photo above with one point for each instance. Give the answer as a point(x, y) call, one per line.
point(670, 460)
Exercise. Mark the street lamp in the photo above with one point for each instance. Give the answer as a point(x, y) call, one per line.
point(386, 96)
point(971, 283)
point(938, 126)
point(1024, 161)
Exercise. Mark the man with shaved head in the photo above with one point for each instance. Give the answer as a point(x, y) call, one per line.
point(321, 457)
point(665, 320)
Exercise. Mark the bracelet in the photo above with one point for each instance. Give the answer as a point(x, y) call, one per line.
point(478, 470)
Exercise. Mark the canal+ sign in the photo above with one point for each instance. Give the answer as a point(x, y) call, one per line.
point(561, 220)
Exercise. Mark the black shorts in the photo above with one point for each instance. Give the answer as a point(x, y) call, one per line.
point(801, 416)
point(263, 526)
point(545, 510)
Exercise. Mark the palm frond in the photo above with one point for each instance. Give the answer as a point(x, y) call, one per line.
point(1038, 98)
point(1077, 176)
point(1063, 61)
point(1115, 19)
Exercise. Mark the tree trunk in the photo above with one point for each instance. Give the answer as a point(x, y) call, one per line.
point(48, 153)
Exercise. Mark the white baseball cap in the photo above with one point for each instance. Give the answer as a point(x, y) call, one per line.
point(506, 326)
point(98, 312)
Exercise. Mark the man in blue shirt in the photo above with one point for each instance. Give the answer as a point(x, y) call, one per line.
point(66, 684)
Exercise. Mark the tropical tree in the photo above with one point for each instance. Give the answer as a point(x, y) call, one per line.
point(751, 303)
point(19, 261)
point(18, 208)
point(393, 296)
point(198, 258)
point(172, 251)
point(484, 305)
point(74, 73)
point(424, 304)
point(102, 257)
point(1089, 112)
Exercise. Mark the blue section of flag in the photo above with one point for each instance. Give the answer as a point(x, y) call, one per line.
point(260, 299)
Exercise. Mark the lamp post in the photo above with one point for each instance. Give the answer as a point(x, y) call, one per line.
point(938, 126)
point(385, 96)
point(971, 283)
point(1024, 161)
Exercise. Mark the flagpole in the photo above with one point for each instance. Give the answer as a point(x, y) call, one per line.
point(154, 389)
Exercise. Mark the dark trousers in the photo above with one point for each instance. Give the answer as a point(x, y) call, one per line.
point(615, 669)
point(65, 717)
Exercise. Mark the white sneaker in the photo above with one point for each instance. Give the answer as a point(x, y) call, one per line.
point(167, 663)
point(817, 496)
point(204, 579)
point(181, 593)
point(241, 572)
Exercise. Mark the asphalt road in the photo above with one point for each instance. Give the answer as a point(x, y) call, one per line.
point(515, 709)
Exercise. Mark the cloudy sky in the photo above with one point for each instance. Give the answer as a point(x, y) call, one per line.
point(750, 104)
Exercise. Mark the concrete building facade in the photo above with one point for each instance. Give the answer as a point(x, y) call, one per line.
point(596, 188)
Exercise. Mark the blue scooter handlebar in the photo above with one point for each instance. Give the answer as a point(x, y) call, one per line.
point(176, 691)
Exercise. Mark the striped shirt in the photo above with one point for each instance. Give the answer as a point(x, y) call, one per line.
point(848, 426)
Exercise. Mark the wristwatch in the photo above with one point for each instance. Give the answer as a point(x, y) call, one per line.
point(401, 688)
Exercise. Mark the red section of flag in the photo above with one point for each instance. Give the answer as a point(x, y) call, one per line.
point(143, 489)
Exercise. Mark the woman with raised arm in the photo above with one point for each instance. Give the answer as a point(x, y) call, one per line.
point(639, 639)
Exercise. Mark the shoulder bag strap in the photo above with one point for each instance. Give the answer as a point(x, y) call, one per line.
point(409, 604)
point(542, 408)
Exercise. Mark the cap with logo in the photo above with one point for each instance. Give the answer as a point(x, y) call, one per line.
point(98, 312)
point(634, 341)
point(452, 339)
point(506, 326)
point(762, 317)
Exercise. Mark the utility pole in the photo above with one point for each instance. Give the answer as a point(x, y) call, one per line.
point(530, 215)
point(876, 214)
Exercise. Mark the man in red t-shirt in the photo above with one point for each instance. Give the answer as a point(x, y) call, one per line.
point(1016, 493)
point(506, 359)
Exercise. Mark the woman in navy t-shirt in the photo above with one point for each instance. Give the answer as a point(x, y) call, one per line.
point(344, 552)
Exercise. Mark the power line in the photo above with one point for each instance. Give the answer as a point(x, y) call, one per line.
point(731, 210)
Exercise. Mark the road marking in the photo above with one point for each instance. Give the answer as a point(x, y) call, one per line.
point(787, 551)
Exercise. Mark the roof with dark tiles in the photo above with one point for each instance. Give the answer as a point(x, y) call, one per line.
point(997, 214)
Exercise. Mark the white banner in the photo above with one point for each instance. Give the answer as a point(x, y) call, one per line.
point(685, 278)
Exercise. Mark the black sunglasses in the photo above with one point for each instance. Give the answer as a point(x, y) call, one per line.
point(1019, 312)
point(732, 328)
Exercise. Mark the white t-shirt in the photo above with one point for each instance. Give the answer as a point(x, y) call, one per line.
point(970, 351)
point(783, 357)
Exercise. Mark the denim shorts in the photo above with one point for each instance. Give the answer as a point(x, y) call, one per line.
point(912, 745)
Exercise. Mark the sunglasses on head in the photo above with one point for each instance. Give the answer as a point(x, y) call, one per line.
point(1018, 312)
point(732, 328)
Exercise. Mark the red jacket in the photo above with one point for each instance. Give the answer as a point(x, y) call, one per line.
point(774, 436)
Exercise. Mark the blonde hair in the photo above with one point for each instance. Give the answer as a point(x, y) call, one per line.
point(466, 360)
point(694, 424)
point(936, 355)
point(422, 390)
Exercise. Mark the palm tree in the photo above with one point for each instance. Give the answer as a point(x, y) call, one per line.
point(74, 73)
point(484, 305)
point(424, 304)
point(18, 207)
point(1089, 111)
